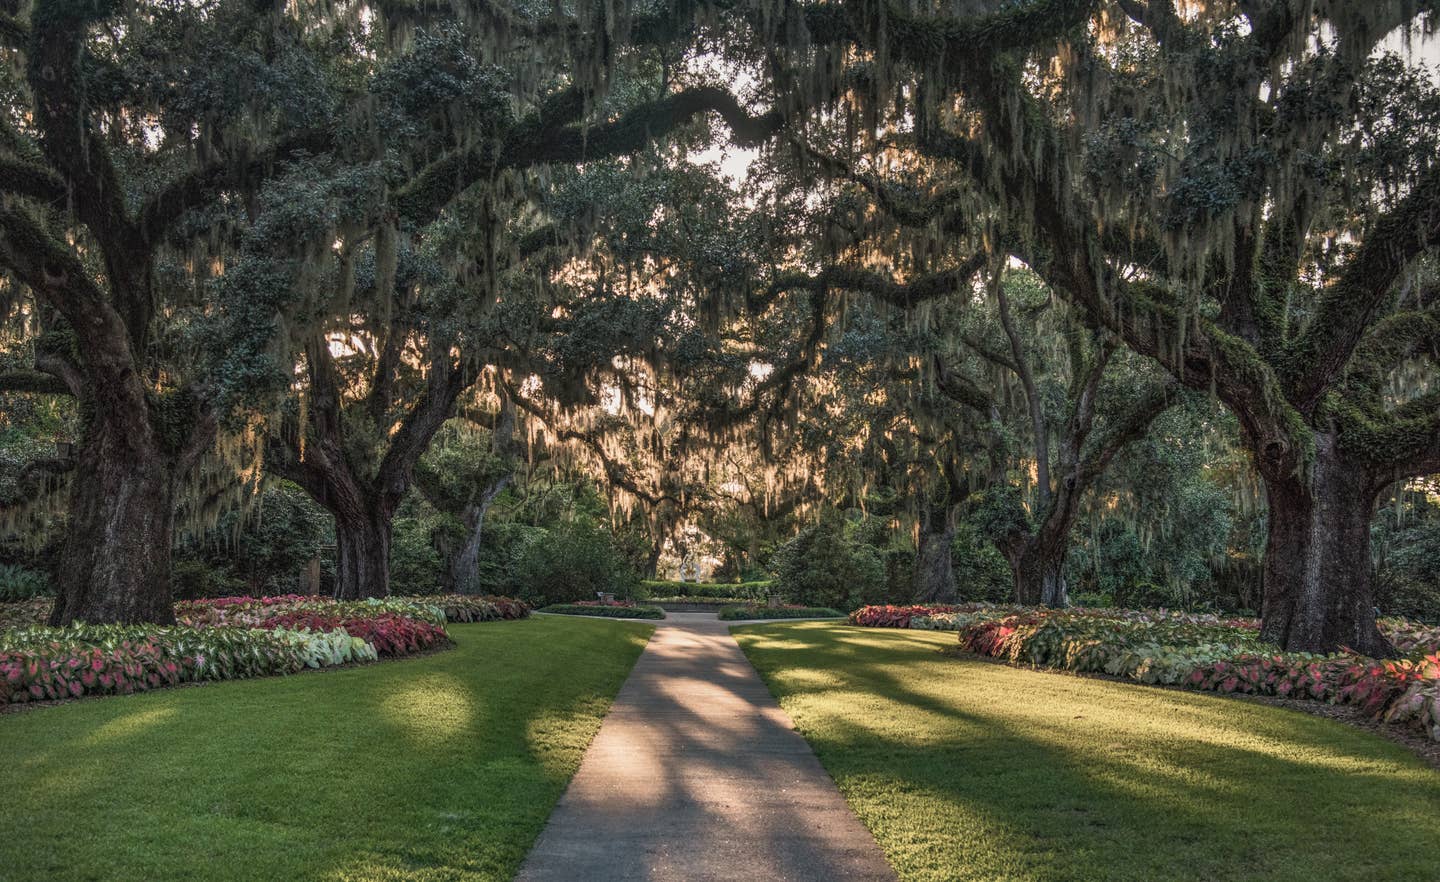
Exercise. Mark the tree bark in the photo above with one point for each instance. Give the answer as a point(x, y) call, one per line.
point(652, 562)
point(116, 563)
point(1038, 568)
point(465, 566)
point(934, 576)
point(1319, 592)
point(362, 559)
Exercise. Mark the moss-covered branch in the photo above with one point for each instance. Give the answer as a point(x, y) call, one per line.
point(32, 181)
point(878, 286)
point(48, 267)
point(200, 186)
point(548, 140)
point(444, 382)
point(1352, 304)
point(32, 381)
point(1395, 338)
point(1124, 429)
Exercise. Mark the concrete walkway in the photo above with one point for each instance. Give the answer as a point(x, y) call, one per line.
point(697, 774)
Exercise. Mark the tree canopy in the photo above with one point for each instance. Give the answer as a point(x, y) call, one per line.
point(1015, 275)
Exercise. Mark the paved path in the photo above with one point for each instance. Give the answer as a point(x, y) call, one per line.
point(697, 774)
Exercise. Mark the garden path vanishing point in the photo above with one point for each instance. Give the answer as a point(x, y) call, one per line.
point(697, 774)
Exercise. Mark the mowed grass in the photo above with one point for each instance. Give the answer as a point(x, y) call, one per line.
point(442, 767)
point(965, 769)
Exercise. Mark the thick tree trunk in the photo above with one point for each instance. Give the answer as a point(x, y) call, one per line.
point(1039, 572)
point(652, 561)
point(1317, 580)
point(116, 563)
point(465, 567)
point(362, 553)
point(934, 576)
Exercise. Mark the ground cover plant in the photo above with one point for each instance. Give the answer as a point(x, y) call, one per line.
point(615, 609)
point(758, 611)
point(444, 767)
point(1199, 651)
point(968, 770)
point(227, 638)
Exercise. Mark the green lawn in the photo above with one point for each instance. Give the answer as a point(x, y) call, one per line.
point(443, 767)
point(965, 769)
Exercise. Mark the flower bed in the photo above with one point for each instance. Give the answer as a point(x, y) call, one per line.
point(224, 638)
point(1198, 651)
point(469, 608)
point(756, 611)
point(888, 616)
point(612, 610)
point(282, 610)
point(49, 663)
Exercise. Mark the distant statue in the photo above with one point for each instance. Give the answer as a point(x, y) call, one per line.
point(689, 570)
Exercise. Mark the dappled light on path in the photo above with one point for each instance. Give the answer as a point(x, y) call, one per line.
point(696, 774)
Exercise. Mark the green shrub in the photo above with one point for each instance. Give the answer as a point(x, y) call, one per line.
point(824, 568)
point(607, 612)
point(416, 567)
point(22, 583)
point(575, 561)
point(265, 549)
point(192, 579)
point(469, 608)
point(752, 611)
point(981, 571)
point(506, 544)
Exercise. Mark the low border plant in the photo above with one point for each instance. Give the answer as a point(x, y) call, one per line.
point(758, 611)
point(611, 610)
point(225, 638)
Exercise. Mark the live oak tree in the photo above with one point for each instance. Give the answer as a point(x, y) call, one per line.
point(1001, 409)
point(472, 461)
point(1080, 402)
point(1244, 191)
point(138, 141)
point(129, 141)
point(479, 135)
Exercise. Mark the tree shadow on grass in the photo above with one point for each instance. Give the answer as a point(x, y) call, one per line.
point(424, 768)
point(971, 770)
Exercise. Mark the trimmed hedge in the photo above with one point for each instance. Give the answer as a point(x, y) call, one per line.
point(718, 590)
point(615, 611)
point(754, 611)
